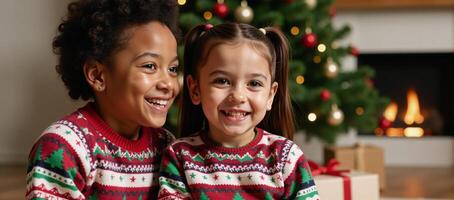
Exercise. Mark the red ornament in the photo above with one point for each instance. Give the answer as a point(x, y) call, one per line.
point(309, 40)
point(221, 9)
point(384, 123)
point(354, 51)
point(288, 1)
point(369, 83)
point(332, 11)
point(325, 95)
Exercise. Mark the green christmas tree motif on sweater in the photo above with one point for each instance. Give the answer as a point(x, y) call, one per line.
point(238, 196)
point(306, 175)
point(55, 160)
point(268, 196)
point(94, 196)
point(171, 169)
point(203, 196)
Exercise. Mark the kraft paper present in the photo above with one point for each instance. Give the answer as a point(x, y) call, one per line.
point(364, 186)
point(360, 157)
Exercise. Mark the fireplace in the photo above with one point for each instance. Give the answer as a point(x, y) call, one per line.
point(421, 88)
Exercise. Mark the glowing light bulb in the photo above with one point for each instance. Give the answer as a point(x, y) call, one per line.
point(312, 117)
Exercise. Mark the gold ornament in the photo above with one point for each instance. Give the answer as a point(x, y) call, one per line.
point(336, 116)
point(311, 3)
point(244, 13)
point(330, 68)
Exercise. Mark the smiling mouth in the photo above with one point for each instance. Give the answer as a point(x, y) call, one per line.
point(159, 103)
point(235, 114)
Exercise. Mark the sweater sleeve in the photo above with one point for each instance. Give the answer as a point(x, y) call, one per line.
point(172, 181)
point(298, 181)
point(56, 169)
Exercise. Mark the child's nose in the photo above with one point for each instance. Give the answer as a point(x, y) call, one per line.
point(166, 82)
point(236, 96)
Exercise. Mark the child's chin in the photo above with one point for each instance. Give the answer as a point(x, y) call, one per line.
point(156, 123)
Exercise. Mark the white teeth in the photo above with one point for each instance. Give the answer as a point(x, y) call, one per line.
point(159, 102)
point(236, 114)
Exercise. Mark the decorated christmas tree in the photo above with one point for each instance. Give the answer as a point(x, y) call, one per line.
point(327, 100)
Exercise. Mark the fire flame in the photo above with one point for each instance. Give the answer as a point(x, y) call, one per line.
point(391, 112)
point(412, 116)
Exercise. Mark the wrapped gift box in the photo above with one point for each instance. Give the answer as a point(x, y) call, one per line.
point(363, 186)
point(361, 157)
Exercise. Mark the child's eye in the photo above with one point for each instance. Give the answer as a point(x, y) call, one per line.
point(255, 83)
point(174, 69)
point(150, 66)
point(221, 81)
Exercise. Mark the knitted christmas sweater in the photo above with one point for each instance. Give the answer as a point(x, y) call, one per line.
point(269, 167)
point(81, 157)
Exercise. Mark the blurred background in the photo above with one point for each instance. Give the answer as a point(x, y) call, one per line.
point(401, 52)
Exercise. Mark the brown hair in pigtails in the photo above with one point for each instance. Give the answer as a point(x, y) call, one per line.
point(188, 110)
point(280, 119)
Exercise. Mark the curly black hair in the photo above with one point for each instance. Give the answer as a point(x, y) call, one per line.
point(93, 29)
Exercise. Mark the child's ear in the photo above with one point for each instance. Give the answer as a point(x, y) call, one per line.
point(194, 91)
point(95, 75)
point(273, 90)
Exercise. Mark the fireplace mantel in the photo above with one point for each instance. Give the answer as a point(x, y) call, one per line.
point(389, 4)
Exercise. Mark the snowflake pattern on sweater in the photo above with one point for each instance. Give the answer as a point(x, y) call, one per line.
point(269, 167)
point(81, 157)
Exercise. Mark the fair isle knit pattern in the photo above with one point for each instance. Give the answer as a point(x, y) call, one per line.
point(269, 167)
point(81, 157)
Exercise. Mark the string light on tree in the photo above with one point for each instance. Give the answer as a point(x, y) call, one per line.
point(294, 30)
point(207, 15)
point(359, 111)
point(317, 59)
point(321, 48)
point(312, 117)
point(244, 13)
point(335, 116)
point(221, 9)
point(181, 2)
point(300, 79)
point(330, 68)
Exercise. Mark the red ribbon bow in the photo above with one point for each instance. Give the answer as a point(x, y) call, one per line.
point(330, 169)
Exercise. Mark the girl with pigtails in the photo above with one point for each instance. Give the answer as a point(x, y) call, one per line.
point(236, 120)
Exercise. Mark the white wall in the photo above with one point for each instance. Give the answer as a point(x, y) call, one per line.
point(32, 96)
point(411, 30)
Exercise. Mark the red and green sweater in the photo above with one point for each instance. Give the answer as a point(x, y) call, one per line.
point(269, 167)
point(81, 157)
